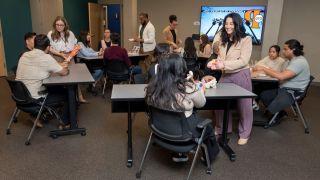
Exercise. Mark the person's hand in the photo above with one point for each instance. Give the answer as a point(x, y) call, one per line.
point(64, 56)
point(179, 41)
point(174, 46)
point(258, 68)
point(100, 52)
point(207, 78)
point(64, 64)
point(137, 40)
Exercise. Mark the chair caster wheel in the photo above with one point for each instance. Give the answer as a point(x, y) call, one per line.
point(27, 143)
point(83, 133)
point(138, 175)
point(209, 171)
point(266, 126)
point(53, 136)
point(8, 131)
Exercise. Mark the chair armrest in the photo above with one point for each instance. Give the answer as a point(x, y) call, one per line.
point(204, 123)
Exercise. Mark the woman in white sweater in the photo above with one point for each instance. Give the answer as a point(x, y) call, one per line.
point(272, 61)
point(170, 90)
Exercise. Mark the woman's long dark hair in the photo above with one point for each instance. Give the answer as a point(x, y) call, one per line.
point(168, 84)
point(205, 40)
point(239, 29)
point(83, 38)
point(189, 48)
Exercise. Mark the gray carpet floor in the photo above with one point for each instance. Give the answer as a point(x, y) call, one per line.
point(281, 152)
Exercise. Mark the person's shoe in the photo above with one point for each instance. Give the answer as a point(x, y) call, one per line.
point(255, 106)
point(62, 127)
point(243, 141)
point(180, 157)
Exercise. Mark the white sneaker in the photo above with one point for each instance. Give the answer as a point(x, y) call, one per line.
point(243, 141)
point(255, 106)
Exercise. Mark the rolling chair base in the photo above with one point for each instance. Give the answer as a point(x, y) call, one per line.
point(56, 133)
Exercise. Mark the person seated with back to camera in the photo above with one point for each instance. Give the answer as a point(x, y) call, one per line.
point(272, 61)
point(115, 52)
point(296, 77)
point(87, 51)
point(35, 66)
point(171, 90)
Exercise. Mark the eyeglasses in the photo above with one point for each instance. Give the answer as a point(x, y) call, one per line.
point(60, 25)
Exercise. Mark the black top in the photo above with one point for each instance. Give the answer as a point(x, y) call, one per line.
point(173, 32)
point(229, 45)
point(107, 43)
point(141, 34)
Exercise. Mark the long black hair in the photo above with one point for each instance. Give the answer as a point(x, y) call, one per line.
point(239, 29)
point(205, 40)
point(83, 38)
point(169, 83)
point(189, 48)
point(296, 46)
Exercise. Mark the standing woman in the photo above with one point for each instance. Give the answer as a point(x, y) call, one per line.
point(62, 40)
point(235, 47)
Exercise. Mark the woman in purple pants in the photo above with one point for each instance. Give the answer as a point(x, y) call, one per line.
point(234, 48)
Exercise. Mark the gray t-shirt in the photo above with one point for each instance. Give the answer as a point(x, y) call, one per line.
point(300, 66)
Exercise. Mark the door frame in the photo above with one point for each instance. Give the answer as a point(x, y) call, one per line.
point(4, 63)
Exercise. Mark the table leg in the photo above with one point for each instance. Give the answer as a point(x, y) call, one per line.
point(223, 141)
point(129, 160)
point(72, 115)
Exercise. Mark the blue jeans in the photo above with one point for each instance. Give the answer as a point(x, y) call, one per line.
point(97, 74)
point(135, 70)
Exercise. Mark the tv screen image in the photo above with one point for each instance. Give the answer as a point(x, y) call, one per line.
point(211, 19)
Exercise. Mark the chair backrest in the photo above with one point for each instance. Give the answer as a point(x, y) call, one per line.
point(117, 69)
point(20, 93)
point(169, 125)
point(117, 66)
point(301, 97)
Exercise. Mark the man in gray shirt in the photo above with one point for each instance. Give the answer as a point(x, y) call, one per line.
point(296, 77)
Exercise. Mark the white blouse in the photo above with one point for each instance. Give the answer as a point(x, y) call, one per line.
point(61, 45)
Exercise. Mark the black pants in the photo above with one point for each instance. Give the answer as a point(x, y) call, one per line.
point(259, 87)
point(59, 95)
point(209, 137)
point(277, 99)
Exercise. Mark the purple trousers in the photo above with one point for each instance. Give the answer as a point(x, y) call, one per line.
point(244, 106)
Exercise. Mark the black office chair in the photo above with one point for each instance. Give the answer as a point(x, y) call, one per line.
point(295, 107)
point(116, 71)
point(191, 63)
point(24, 102)
point(168, 130)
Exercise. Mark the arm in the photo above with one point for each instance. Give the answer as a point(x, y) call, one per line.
point(87, 51)
point(126, 58)
point(199, 99)
point(245, 54)
point(167, 39)
point(284, 75)
point(151, 35)
point(72, 40)
point(207, 51)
